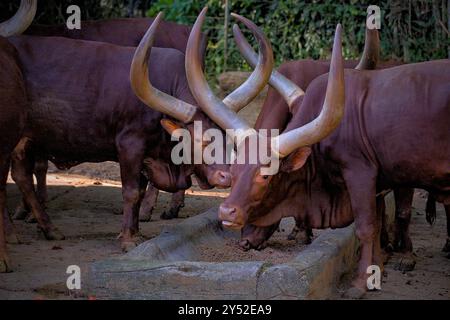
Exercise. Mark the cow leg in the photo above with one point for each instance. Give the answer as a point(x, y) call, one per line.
point(40, 171)
point(148, 203)
point(402, 242)
point(379, 256)
point(447, 243)
point(403, 201)
point(22, 210)
point(22, 171)
point(5, 265)
point(430, 209)
point(384, 234)
point(40, 167)
point(301, 233)
point(176, 204)
point(253, 237)
point(131, 156)
point(361, 185)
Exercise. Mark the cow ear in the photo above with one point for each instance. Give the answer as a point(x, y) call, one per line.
point(296, 159)
point(170, 126)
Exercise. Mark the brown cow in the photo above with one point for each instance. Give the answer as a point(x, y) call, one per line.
point(276, 113)
point(331, 170)
point(123, 32)
point(13, 112)
point(85, 111)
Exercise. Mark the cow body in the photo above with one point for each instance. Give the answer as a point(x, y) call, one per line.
point(13, 110)
point(384, 140)
point(275, 114)
point(83, 110)
point(123, 32)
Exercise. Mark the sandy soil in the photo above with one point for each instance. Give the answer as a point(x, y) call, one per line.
point(430, 278)
point(85, 210)
point(278, 250)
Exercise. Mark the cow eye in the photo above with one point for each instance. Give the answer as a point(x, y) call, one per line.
point(265, 177)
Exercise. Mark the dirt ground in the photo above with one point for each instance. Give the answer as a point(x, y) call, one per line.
point(430, 279)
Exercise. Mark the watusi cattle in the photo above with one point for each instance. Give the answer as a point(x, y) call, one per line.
point(124, 32)
point(93, 115)
point(276, 113)
point(13, 113)
point(335, 162)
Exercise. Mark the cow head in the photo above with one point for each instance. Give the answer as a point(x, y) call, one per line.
point(21, 20)
point(254, 192)
point(213, 113)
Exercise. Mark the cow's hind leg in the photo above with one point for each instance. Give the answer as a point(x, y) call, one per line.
point(402, 242)
point(148, 203)
point(40, 168)
point(447, 243)
point(5, 265)
point(22, 171)
point(176, 203)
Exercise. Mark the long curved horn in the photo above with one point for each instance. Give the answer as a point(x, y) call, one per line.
point(332, 110)
point(140, 82)
point(208, 102)
point(287, 89)
point(21, 20)
point(371, 53)
point(256, 82)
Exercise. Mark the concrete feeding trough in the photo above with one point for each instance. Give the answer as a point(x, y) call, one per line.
point(173, 266)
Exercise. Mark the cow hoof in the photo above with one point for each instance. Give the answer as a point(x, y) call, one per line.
point(145, 217)
point(446, 247)
point(406, 264)
point(173, 214)
point(21, 213)
point(354, 293)
point(30, 219)
point(54, 234)
point(5, 266)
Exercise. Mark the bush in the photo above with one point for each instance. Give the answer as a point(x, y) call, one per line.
point(411, 31)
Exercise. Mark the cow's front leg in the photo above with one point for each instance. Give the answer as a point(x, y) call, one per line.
point(361, 185)
point(176, 203)
point(148, 203)
point(22, 171)
point(131, 155)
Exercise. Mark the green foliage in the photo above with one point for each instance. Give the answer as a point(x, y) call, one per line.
point(410, 30)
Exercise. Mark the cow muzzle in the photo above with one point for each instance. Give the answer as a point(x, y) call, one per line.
point(231, 216)
point(220, 179)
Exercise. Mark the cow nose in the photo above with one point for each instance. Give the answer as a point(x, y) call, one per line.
point(230, 217)
point(222, 179)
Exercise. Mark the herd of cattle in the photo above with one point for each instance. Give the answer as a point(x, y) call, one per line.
point(117, 89)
